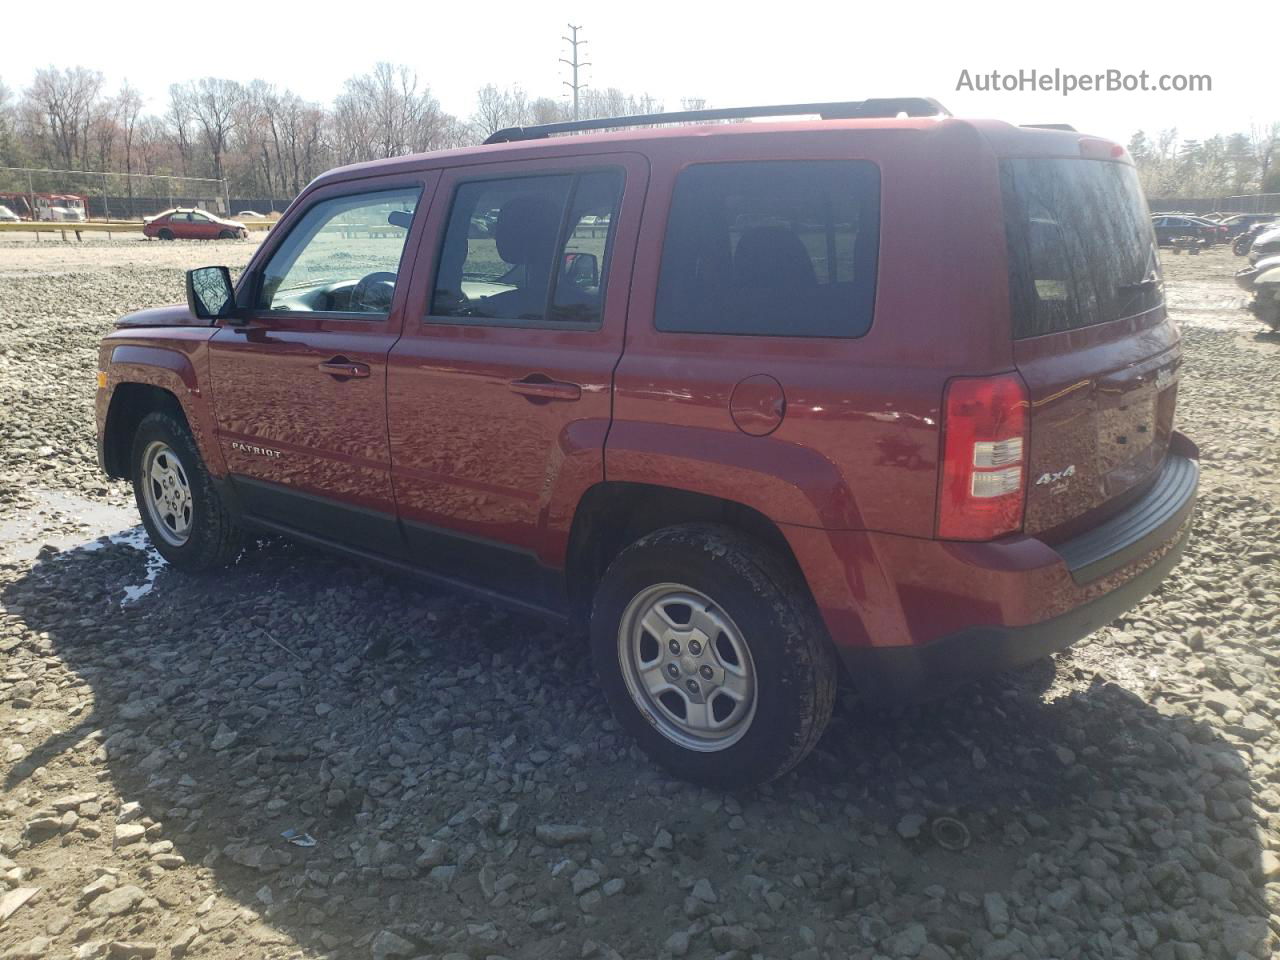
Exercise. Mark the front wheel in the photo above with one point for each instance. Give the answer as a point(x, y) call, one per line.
point(226, 235)
point(184, 515)
point(712, 655)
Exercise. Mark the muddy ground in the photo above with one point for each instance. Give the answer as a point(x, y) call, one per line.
point(469, 795)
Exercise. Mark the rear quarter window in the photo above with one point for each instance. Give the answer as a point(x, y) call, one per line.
point(1080, 241)
point(785, 248)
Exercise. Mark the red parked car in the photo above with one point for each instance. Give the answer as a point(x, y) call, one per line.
point(183, 224)
point(760, 404)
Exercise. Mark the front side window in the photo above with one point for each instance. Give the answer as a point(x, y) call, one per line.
point(343, 256)
point(528, 249)
point(785, 248)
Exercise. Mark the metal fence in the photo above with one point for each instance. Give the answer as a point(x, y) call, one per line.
point(1248, 203)
point(121, 196)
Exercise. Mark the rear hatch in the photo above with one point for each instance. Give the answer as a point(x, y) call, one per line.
point(1092, 339)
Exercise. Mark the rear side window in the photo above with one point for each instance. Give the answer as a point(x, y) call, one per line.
point(1081, 246)
point(528, 249)
point(783, 248)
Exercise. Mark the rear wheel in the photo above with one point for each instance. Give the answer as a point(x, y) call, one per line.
point(165, 234)
point(712, 655)
point(184, 515)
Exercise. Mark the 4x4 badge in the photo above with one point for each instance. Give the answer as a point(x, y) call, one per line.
point(1055, 477)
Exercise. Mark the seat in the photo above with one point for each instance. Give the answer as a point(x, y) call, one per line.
point(772, 258)
point(525, 235)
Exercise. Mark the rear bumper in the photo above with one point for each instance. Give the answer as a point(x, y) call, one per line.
point(912, 618)
point(912, 673)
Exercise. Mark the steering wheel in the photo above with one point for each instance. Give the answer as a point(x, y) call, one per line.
point(372, 294)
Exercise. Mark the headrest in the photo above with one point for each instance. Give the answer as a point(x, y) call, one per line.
point(772, 257)
point(526, 229)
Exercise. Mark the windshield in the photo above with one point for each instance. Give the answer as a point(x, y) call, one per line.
point(1081, 246)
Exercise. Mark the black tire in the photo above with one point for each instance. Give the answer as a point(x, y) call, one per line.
point(1241, 245)
point(767, 601)
point(213, 537)
point(226, 235)
point(165, 234)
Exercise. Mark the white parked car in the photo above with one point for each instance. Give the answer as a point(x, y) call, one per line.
point(7, 215)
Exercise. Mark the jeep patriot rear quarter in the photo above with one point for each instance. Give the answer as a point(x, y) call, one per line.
point(751, 400)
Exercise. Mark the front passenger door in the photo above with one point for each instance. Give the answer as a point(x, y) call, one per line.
point(202, 228)
point(299, 380)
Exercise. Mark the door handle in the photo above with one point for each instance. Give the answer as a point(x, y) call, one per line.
point(538, 386)
point(342, 367)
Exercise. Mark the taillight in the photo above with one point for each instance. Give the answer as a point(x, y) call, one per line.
point(982, 488)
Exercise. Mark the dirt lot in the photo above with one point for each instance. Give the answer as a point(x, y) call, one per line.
point(469, 795)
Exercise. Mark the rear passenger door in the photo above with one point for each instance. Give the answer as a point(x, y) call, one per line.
point(499, 390)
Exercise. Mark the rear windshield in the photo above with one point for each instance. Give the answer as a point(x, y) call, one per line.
point(1081, 247)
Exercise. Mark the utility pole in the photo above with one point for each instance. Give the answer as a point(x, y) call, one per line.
point(576, 64)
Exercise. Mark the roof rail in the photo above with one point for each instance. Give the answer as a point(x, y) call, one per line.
point(1050, 126)
point(848, 110)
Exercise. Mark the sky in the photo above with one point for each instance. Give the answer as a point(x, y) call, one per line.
point(730, 54)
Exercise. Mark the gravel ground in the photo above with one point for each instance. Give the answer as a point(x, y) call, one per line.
point(470, 797)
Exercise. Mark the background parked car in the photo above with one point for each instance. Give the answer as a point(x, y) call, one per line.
point(1170, 228)
point(248, 215)
point(1265, 244)
point(8, 216)
point(1239, 223)
point(184, 224)
point(1244, 241)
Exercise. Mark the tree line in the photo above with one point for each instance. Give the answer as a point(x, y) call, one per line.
point(268, 141)
point(1221, 166)
point(265, 140)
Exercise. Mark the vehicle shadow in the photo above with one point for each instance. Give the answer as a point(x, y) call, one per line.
point(422, 739)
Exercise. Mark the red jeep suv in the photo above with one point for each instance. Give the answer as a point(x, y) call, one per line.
point(884, 393)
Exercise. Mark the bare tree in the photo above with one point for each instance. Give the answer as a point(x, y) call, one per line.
point(8, 125)
point(153, 143)
point(386, 114)
point(497, 109)
point(62, 103)
point(128, 114)
point(1264, 139)
point(179, 121)
point(547, 110)
point(215, 103)
point(103, 129)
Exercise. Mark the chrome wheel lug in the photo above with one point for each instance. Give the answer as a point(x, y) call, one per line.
point(673, 671)
point(674, 647)
point(695, 647)
point(692, 685)
point(706, 672)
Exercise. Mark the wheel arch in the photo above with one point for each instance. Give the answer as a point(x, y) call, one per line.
point(130, 402)
point(142, 378)
point(611, 515)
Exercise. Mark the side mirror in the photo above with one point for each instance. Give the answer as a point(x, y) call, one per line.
point(582, 269)
point(210, 295)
